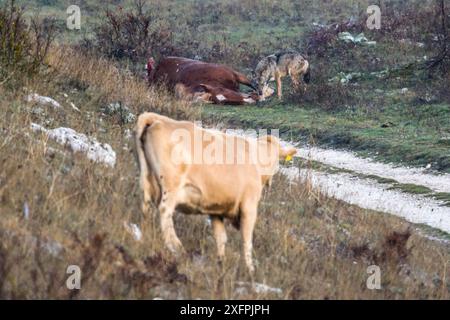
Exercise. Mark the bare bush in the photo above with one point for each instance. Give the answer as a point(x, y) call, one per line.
point(134, 34)
point(23, 47)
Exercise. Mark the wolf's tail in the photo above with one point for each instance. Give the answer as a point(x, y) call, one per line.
point(307, 76)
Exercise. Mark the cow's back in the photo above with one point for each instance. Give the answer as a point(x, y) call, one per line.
point(214, 185)
point(209, 73)
point(224, 179)
point(190, 72)
point(167, 70)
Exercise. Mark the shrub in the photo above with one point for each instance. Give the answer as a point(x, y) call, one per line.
point(133, 34)
point(23, 47)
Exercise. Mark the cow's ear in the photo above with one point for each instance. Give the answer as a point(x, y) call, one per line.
point(150, 64)
point(287, 154)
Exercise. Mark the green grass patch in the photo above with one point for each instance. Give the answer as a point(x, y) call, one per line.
point(411, 188)
point(444, 196)
point(433, 232)
point(381, 179)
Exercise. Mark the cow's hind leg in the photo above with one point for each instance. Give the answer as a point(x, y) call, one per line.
point(166, 210)
point(145, 184)
point(248, 220)
point(220, 235)
point(146, 187)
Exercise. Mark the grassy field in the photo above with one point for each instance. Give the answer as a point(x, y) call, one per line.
point(60, 209)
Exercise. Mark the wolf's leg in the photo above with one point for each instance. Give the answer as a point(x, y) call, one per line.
point(295, 81)
point(278, 78)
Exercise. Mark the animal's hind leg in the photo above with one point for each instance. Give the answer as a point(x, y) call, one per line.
point(295, 82)
point(220, 235)
point(146, 186)
point(166, 210)
point(278, 78)
point(147, 181)
point(248, 220)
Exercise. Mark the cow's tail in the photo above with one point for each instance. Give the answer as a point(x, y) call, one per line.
point(144, 121)
point(241, 78)
point(149, 183)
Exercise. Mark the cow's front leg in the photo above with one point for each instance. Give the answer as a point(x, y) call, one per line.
point(166, 210)
point(220, 235)
point(248, 220)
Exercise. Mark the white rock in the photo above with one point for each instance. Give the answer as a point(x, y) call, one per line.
point(259, 288)
point(78, 142)
point(26, 211)
point(134, 230)
point(117, 108)
point(43, 100)
point(359, 39)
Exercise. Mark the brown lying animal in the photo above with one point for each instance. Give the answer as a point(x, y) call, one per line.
point(198, 77)
point(182, 168)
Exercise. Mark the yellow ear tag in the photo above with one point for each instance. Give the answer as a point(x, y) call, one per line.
point(288, 158)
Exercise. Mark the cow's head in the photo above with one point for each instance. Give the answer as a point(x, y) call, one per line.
point(270, 152)
point(150, 66)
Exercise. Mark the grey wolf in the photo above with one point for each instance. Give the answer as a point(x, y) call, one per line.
point(279, 65)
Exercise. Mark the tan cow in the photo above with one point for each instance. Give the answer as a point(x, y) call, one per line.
point(193, 170)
